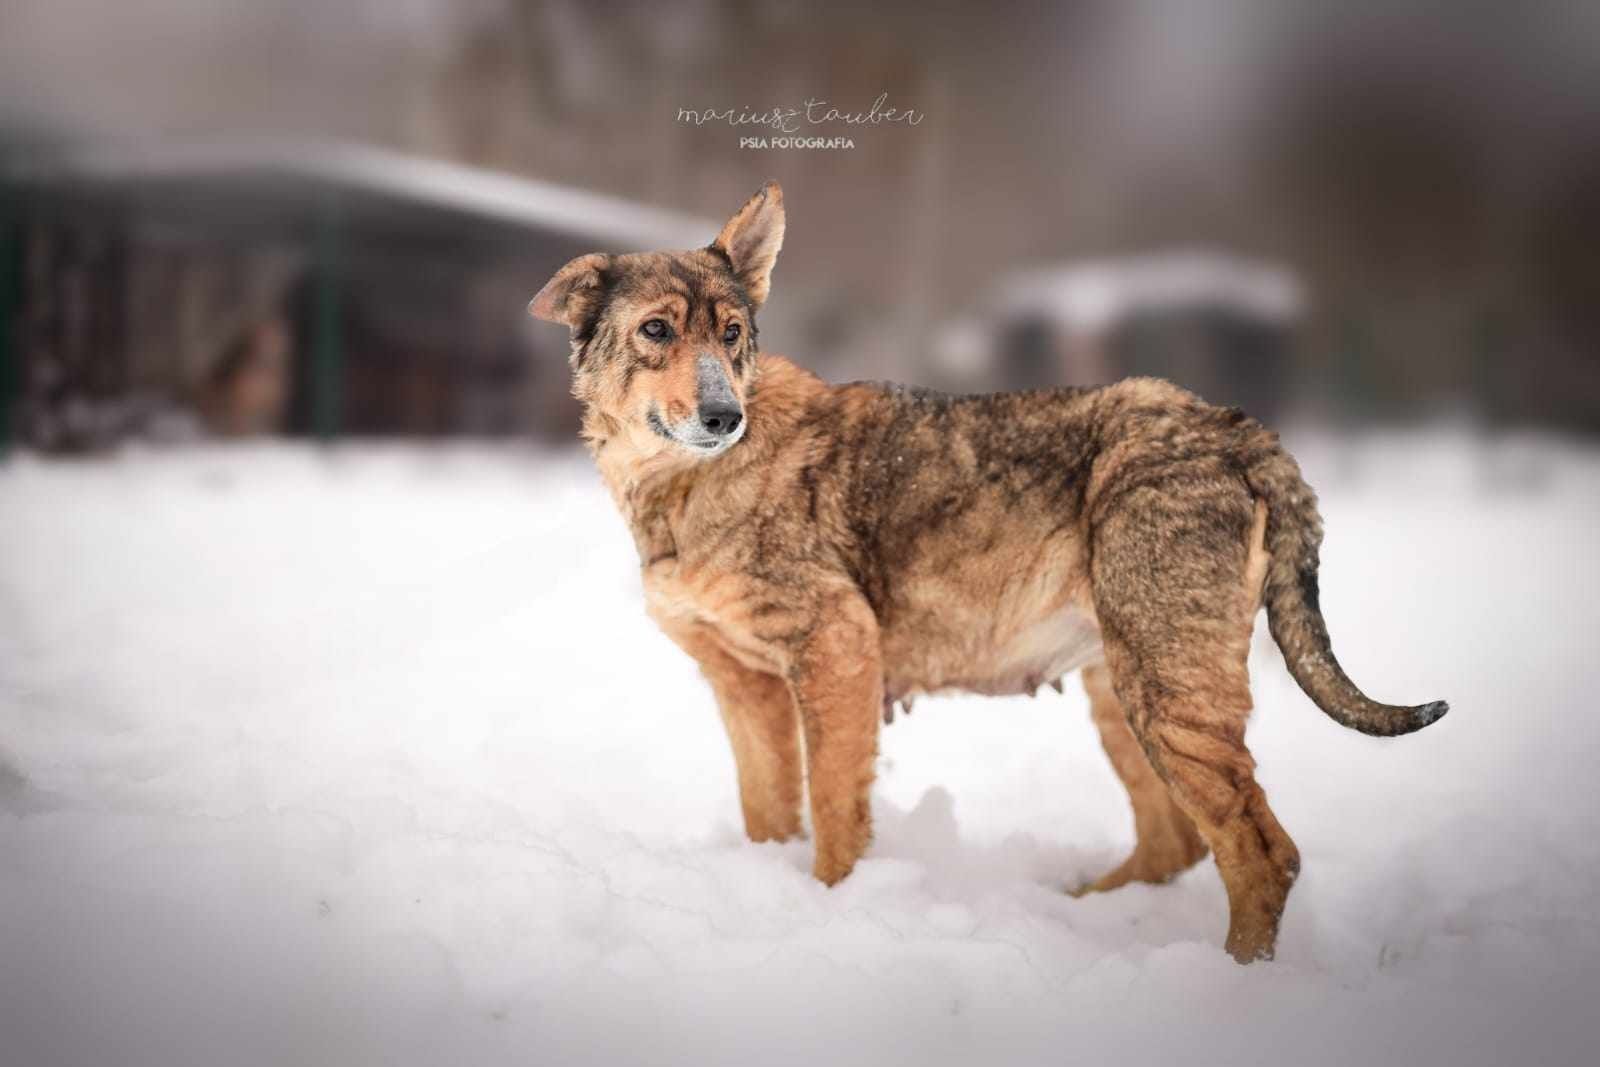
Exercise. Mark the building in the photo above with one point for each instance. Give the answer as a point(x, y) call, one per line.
point(305, 288)
point(1217, 324)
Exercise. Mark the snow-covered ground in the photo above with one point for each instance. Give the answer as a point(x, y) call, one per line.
point(373, 757)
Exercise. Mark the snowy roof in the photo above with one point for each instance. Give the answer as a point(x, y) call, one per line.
point(1095, 295)
point(514, 200)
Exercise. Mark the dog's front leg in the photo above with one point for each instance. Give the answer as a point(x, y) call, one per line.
point(759, 712)
point(837, 676)
point(764, 730)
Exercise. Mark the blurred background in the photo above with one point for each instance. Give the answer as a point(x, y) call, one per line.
point(333, 730)
point(232, 218)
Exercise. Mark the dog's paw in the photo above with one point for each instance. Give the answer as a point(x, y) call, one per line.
point(831, 872)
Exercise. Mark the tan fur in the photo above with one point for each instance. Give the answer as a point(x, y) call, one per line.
point(853, 546)
point(1166, 841)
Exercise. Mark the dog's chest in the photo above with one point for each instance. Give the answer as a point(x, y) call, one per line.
point(714, 606)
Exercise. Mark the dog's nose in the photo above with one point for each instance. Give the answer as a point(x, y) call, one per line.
point(720, 419)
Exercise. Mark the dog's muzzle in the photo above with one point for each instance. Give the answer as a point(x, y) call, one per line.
point(718, 422)
point(719, 410)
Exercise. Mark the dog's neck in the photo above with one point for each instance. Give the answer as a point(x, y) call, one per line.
point(653, 481)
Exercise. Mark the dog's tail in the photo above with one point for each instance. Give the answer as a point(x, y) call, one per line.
point(1293, 536)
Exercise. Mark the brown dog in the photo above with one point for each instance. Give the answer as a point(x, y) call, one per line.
point(823, 551)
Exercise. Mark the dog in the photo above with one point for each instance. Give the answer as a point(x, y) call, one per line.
point(827, 551)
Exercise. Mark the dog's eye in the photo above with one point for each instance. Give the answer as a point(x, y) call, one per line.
point(655, 329)
point(731, 334)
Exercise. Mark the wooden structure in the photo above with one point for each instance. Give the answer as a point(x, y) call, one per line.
point(306, 288)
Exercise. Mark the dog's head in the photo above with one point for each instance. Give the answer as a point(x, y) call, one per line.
point(664, 343)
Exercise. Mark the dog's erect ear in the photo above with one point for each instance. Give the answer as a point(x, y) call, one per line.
point(751, 240)
point(572, 295)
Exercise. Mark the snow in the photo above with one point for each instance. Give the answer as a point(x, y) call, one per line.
point(371, 756)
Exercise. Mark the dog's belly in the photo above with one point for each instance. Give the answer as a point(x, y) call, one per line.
point(1003, 661)
point(1042, 653)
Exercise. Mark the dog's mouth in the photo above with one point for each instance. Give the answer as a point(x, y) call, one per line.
point(694, 440)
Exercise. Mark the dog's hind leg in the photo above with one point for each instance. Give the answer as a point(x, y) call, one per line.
point(1166, 841)
point(1176, 576)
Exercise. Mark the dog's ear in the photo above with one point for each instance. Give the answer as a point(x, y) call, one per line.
point(573, 294)
point(751, 240)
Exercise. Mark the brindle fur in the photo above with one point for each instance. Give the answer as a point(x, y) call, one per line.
point(865, 543)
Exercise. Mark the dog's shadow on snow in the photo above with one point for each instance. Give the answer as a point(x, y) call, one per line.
point(929, 836)
point(920, 853)
point(926, 843)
